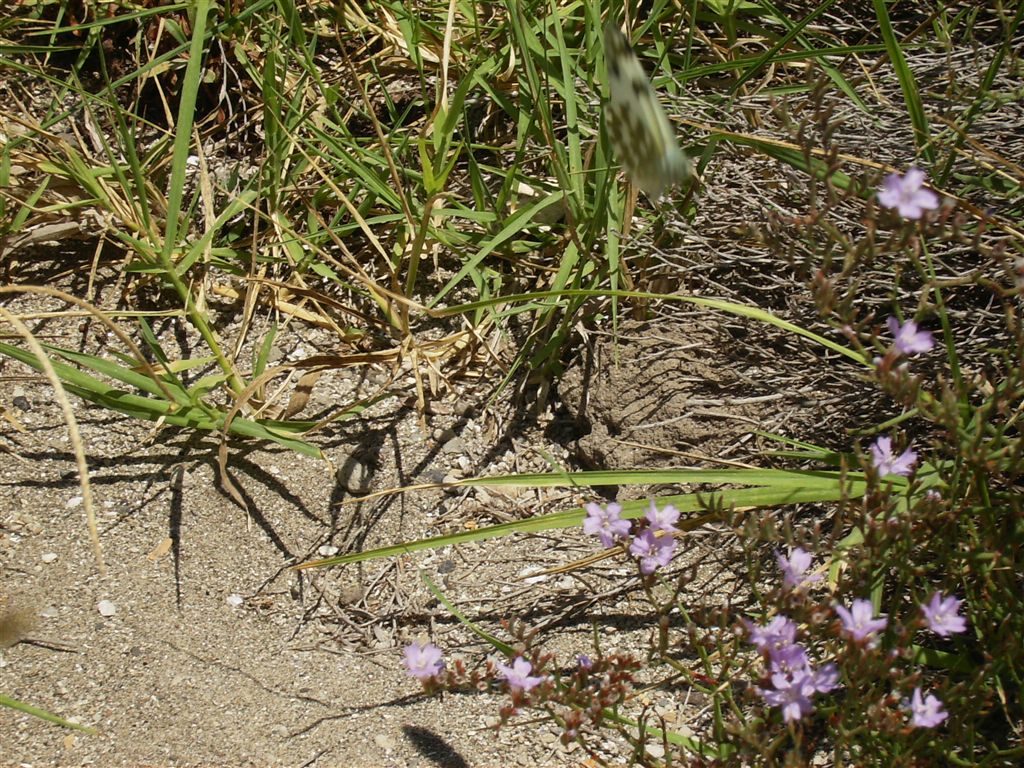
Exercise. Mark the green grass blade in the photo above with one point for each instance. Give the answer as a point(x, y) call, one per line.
point(911, 96)
point(772, 488)
point(477, 630)
point(183, 126)
point(741, 310)
point(42, 714)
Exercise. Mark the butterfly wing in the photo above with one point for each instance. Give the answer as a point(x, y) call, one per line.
point(641, 134)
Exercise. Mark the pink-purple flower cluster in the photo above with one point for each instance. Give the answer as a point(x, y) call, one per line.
point(653, 543)
point(793, 679)
point(424, 662)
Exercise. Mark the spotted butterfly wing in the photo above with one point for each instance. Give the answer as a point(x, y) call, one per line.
point(641, 134)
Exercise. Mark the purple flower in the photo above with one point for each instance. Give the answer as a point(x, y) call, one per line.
point(792, 694)
point(942, 615)
point(662, 519)
point(793, 678)
point(586, 662)
point(909, 340)
point(779, 633)
point(653, 551)
point(858, 622)
point(907, 194)
point(794, 568)
point(605, 523)
point(886, 463)
point(518, 675)
point(926, 713)
point(788, 659)
point(791, 660)
point(826, 678)
point(422, 661)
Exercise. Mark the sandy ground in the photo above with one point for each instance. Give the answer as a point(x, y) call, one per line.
point(216, 652)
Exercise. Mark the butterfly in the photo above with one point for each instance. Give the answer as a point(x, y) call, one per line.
point(641, 134)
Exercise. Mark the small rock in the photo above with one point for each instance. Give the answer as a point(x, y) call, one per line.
point(353, 593)
point(48, 557)
point(354, 476)
point(327, 550)
point(49, 612)
point(433, 475)
point(74, 502)
point(657, 751)
point(235, 600)
point(453, 445)
point(106, 608)
point(385, 742)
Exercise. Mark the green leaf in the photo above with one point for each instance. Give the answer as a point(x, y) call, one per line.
point(771, 488)
point(42, 714)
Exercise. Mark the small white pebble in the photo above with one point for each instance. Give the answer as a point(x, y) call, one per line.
point(328, 550)
point(234, 600)
point(74, 501)
point(48, 557)
point(527, 575)
point(657, 751)
point(106, 608)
